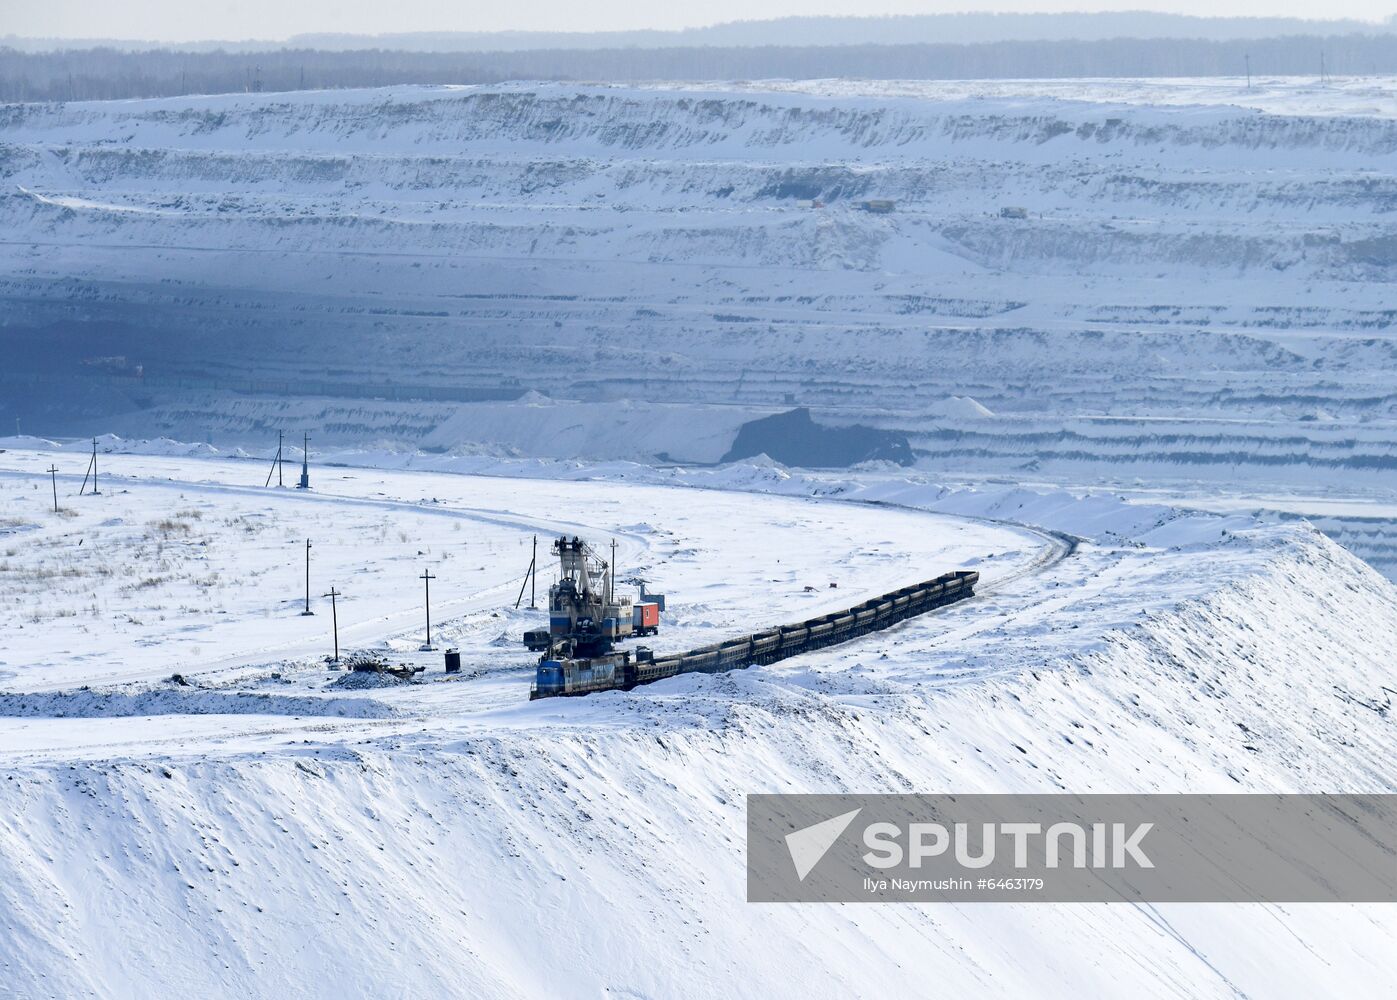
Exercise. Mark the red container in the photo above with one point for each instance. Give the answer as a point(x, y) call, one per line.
point(646, 615)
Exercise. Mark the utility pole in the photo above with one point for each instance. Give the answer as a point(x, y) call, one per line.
point(16, 426)
point(91, 471)
point(304, 484)
point(427, 579)
point(530, 575)
point(334, 621)
point(276, 464)
point(53, 477)
point(308, 611)
point(1248, 58)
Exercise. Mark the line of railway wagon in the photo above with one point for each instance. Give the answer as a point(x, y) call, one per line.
point(576, 677)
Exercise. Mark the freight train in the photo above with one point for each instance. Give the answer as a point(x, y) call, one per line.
point(622, 671)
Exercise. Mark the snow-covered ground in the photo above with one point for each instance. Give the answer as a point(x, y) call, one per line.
point(246, 832)
point(191, 566)
point(1361, 97)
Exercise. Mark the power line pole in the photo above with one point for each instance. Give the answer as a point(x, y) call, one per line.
point(308, 611)
point(334, 621)
point(91, 471)
point(1248, 58)
point(427, 579)
point(304, 484)
point(276, 464)
point(53, 477)
point(530, 575)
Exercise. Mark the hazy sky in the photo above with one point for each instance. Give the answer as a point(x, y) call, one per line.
point(189, 20)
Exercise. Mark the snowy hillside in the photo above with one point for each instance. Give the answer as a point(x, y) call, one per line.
point(1206, 267)
point(450, 837)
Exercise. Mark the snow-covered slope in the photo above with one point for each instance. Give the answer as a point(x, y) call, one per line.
point(453, 838)
point(1206, 268)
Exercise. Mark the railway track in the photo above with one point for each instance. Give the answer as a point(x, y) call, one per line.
point(567, 678)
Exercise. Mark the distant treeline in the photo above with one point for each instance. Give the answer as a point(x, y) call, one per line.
point(95, 74)
point(906, 29)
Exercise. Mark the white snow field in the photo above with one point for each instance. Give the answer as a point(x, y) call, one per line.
point(179, 560)
point(246, 834)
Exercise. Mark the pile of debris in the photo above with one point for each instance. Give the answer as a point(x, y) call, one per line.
point(367, 661)
point(365, 681)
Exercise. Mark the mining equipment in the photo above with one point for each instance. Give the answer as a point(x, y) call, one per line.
point(586, 618)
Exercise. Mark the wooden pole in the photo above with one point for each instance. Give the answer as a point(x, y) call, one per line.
point(335, 622)
point(276, 464)
point(308, 611)
point(427, 579)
